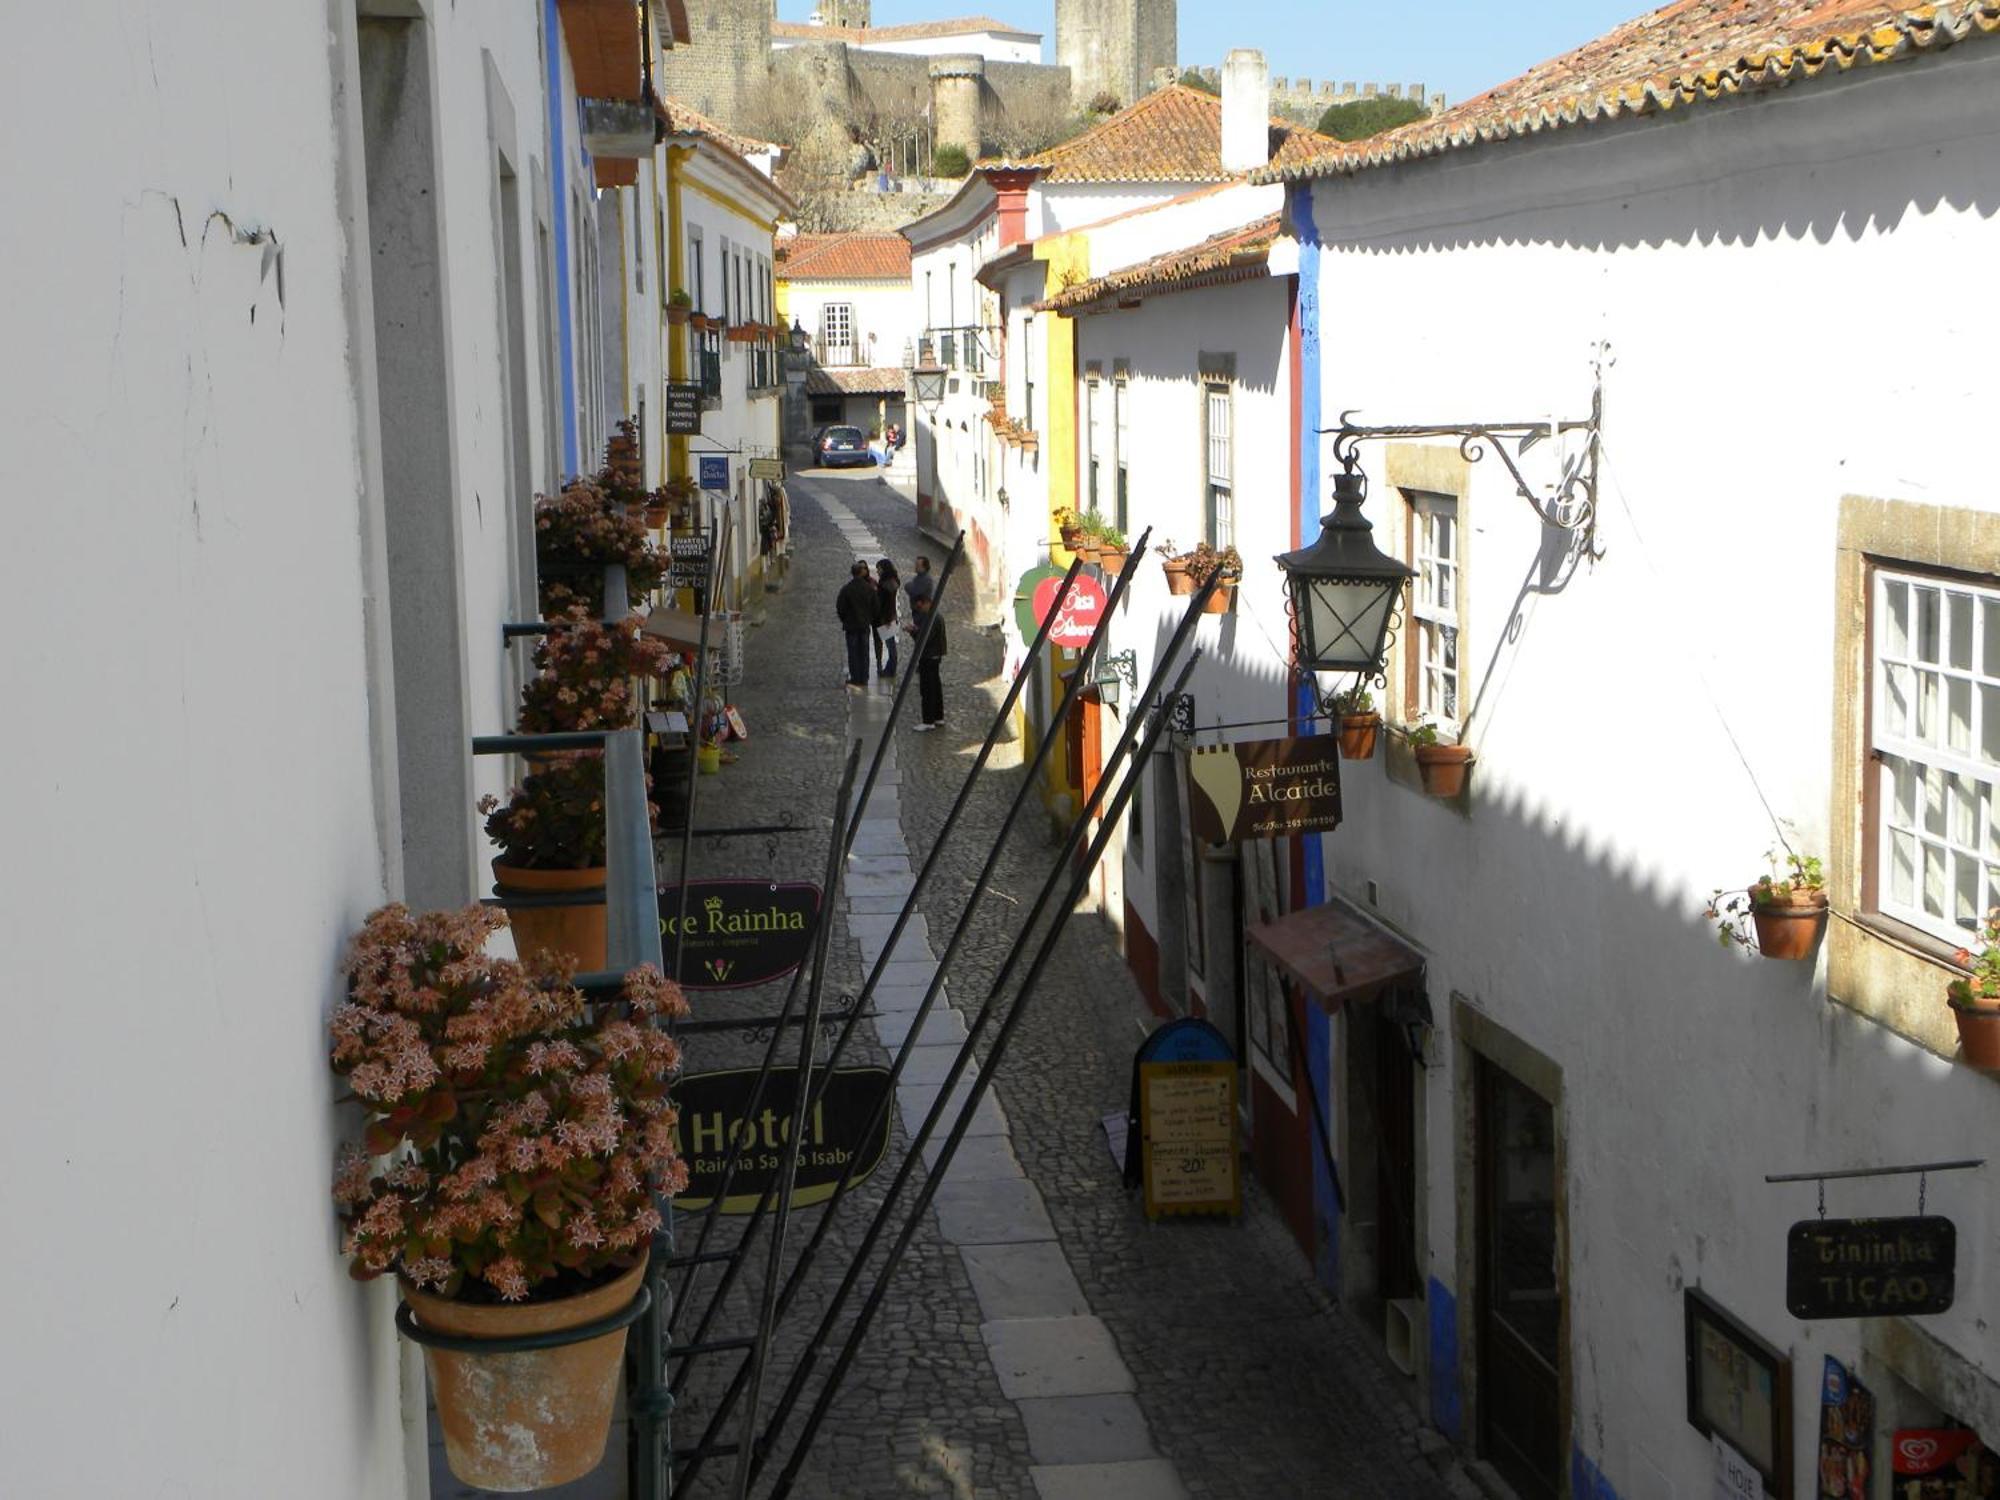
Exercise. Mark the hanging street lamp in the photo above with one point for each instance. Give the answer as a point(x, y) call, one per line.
point(927, 382)
point(1344, 588)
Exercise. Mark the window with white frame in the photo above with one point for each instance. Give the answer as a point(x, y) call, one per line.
point(1934, 724)
point(1093, 438)
point(1121, 438)
point(836, 333)
point(700, 288)
point(1436, 597)
point(1219, 507)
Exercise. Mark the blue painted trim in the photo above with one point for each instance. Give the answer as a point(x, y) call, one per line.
point(1447, 1410)
point(559, 165)
point(1586, 1480)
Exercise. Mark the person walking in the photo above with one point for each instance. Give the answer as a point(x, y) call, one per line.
point(888, 594)
point(930, 654)
point(854, 605)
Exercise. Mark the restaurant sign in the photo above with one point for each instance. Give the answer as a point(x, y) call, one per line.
point(715, 1114)
point(1075, 622)
point(1262, 789)
point(1870, 1268)
point(736, 933)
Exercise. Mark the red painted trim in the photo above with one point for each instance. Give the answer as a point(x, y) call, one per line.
point(1142, 957)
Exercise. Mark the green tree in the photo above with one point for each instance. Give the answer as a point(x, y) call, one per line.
point(1194, 80)
point(1366, 117)
point(950, 160)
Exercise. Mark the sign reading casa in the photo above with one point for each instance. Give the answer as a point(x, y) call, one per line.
point(734, 933)
point(1075, 622)
point(1264, 789)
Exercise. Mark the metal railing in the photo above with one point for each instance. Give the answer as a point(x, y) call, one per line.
point(961, 347)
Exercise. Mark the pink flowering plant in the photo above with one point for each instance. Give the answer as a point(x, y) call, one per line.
point(554, 820)
point(1980, 989)
point(585, 676)
point(576, 534)
point(526, 1131)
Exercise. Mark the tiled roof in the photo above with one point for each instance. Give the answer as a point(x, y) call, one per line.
point(918, 31)
point(845, 257)
point(1233, 255)
point(682, 120)
point(1688, 53)
point(1174, 134)
point(854, 382)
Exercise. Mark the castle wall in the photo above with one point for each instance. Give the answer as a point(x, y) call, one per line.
point(1114, 46)
point(1306, 100)
point(896, 83)
point(723, 71)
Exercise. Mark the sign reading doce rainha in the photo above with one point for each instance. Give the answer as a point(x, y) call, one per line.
point(736, 933)
point(1187, 1120)
point(1870, 1268)
point(1262, 789)
point(715, 1116)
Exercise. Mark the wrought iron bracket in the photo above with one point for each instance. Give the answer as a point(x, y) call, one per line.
point(1570, 504)
point(1179, 709)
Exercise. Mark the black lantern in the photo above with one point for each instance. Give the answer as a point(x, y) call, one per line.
point(801, 340)
point(1343, 587)
point(927, 384)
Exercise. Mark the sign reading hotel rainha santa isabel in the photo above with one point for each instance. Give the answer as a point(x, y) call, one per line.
point(736, 933)
point(716, 1116)
point(1262, 789)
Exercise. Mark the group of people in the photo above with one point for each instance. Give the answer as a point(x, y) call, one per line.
point(871, 603)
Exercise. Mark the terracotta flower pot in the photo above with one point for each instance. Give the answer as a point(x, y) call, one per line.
point(1978, 1034)
point(1444, 768)
point(1071, 535)
point(525, 1421)
point(656, 517)
point(575, 930)
point(1112, 560)
point(1358, 733)
point(1790, 931)
point(1179, 581)
point(1220, 602)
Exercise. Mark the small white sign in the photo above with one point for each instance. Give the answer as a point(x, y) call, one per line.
point(1735, 1477)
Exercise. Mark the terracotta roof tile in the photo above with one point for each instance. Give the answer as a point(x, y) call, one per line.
point(1687, 53)
point(804, 31)
point(1174, 134)
point(845, 257)
point(1233, 255)
point(853, 382)
point(682, 120)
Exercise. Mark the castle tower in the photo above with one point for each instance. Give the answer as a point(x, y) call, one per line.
point(956, 84)
point(1113, 46)
point(852, 13)
point(727, 68)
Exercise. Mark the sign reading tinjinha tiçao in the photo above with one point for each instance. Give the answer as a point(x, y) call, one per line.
point(735, 933)
point(1264, 789)
point(717, 1122)
point(1870, 1268)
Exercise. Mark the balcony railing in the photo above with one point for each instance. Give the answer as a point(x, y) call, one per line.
point(958, 348)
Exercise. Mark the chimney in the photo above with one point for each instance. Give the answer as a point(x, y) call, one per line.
point(1246, 111)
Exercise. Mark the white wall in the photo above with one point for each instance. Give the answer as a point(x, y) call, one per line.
point(1055, 207)
point(1758, 270)
point(886, 316)
point(202, 771)
point(994, 46)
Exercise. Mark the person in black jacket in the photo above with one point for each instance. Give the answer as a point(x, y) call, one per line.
point(888, 589)
point(855, 605)
point(930, 687)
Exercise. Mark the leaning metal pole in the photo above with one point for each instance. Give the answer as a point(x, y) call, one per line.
point(1078, 883)
point(843, 840)
point(1077, 681)
point(716, 544)
point(1078, 831)
point(788, 1171)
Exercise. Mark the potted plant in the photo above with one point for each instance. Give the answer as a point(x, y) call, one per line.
point(1112, 550)
point(550, 833)
point(1089, 543)
point(1175, 564)
point(576, 534)
point(659, 508)
point(1975, 1000)
point(1786, 908)
point(1443, 767)
point(515, 1138)
point(680, 307)
point(584, 673)
point(1069, 526)
point(1205, 560)
point(1360, 725)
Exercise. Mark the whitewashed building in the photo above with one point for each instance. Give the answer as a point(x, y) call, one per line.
point(1764, 625)
point(849, 303)
point(316, 327)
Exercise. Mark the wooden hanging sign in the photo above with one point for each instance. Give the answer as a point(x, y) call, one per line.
point(1187, 1120)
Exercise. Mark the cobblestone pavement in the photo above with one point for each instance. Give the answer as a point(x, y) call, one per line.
point(1247, 1381)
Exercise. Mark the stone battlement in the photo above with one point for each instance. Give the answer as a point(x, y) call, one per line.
point(1302, 95)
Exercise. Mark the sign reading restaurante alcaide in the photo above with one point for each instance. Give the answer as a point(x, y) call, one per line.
point(734, 933)
point(1264, 789)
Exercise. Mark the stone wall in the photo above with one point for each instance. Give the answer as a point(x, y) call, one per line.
point(1114, 46)
point(1307, 101)
point(877, 84)
point(723, 70)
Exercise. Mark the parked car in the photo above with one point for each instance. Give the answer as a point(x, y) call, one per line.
point(838, 447)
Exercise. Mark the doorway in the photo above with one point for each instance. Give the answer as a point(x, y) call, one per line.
point(1520, 1328)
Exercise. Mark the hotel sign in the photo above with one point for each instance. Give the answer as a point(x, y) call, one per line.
point(1264, 789)
point(715, 1115)
point(1870, 1268)
point(736, 933)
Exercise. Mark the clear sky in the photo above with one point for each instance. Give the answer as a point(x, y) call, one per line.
point(1454, 47)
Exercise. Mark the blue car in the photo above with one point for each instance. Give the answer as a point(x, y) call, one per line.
point(841, 447)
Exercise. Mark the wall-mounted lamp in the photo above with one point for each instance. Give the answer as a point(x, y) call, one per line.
point(927, 385)
point(1122, 664)
point(1343, 587)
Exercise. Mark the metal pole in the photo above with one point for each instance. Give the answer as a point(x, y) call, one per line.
point(1077, 832)
point(1917, 1170)
point(843, 843)
point(694, 736)
point(851, 1346)
point(1014, 691)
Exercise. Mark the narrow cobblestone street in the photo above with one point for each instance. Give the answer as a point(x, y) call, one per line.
point(1069, 1349)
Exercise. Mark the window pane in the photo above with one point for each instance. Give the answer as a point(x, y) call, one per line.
point(1927, 707)
point(1966, 795)
point(1934, 895)
point(1960, 644)
point(1902, 869)
point(1958, 721)
point(1444, 534)
point(1934, 802)
point(1902, 778)
point(1965, 891)
point(1896, 619)
point(1927, 624)
point(1896, 721)
point(1447, 588)
point(1989, 722)
point(1989, 619)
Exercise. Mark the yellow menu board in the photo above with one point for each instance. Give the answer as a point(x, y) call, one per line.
point(1187, 1116)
